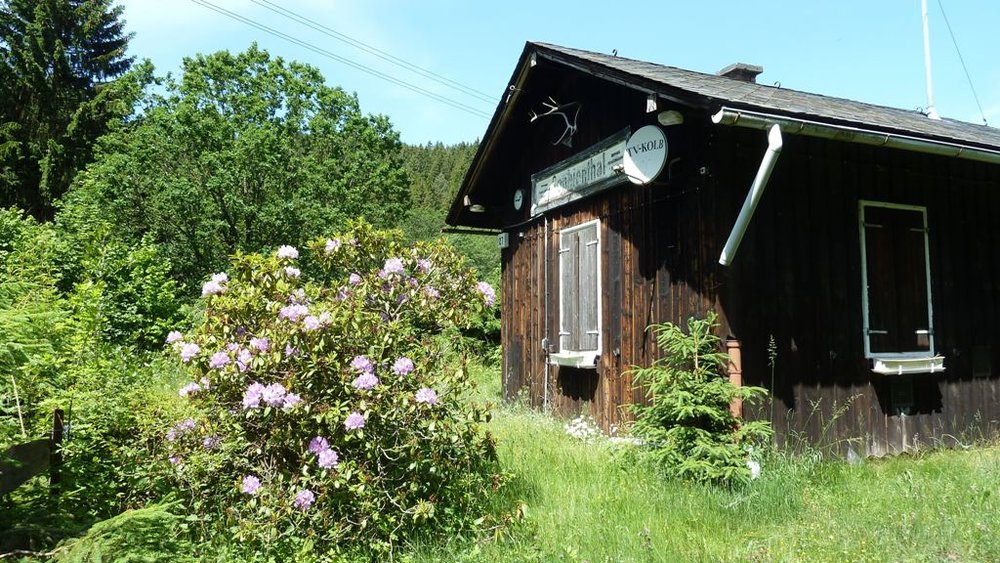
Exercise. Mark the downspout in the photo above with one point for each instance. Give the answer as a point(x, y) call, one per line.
point(545, 321)
point(774, 144)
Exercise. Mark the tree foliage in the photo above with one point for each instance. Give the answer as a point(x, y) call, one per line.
point(57, 61)
point(687, 424)
point(243, 152)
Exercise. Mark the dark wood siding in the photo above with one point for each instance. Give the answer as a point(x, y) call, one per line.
point(796, 280)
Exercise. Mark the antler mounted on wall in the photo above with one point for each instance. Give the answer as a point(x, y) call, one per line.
point(555, 108)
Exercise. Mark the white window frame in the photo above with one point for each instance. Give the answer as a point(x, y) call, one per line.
point(866, 336)
point(581, 358)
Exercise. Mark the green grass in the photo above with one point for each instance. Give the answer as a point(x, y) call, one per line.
point(588, 502)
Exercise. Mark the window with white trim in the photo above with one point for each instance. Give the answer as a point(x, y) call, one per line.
point(579, 295)
point(896, 290)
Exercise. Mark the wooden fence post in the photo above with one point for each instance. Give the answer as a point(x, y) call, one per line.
point(735, 373)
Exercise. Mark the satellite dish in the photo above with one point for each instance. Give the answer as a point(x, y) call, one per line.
point(645, 154)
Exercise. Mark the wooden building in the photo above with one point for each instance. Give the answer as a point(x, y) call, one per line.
point(862, 289)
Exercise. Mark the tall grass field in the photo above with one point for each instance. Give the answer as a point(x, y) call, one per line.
point(587, 501)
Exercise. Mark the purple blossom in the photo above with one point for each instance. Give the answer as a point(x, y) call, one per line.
point(293, 312)
point(218, 360)
point(365, 381)
point(189, 389)
point(325, 318)
point(354, 421)
point(274, 395)
point(426, 395)
point(252, 396)
point(251, 484)
point(174, 336)
point(211, 442)
point(489, 296)
point(304, 499)
point(291, 399)
point(353, 279)
point(332, 245)
point(175, 459)
point(291, 351)
point(286, 251)
point(431, 292)
point(188, 351)
point(328, 458)
point(241, 331)
point(232, 346)
point(343, 294)
point(220, 277)
point(318, 444)
point(403, 366)
point(362, 364)
point(292, 272)
point(310, 323)
point(205, 384)
point(393, 266)
point(298, 296)
point(413, 282)
point(423, 265)
point(181, 428)
point(243, 359)
point(212, 287)
point(260, 344)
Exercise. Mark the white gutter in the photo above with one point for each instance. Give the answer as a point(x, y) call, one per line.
point(774, 144)
point(759, 120)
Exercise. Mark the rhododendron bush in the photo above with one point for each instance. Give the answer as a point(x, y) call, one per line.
point(326, 414)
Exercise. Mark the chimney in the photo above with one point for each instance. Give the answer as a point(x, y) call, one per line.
point(742, 72)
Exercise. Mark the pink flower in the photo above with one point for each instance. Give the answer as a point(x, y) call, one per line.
point(220, 277)
point(251, 484)
point(362, 364)
point(293, 312)
point(328, 458)
point(211, 442)
point(291, 400)
point(423, 265)
point(332, 245)
point(218, 360)
point(243, 359)
point(174, 336)
point(304, 499)
point(274, 395)
point(393, 266)
point(318, 444)
point(489, 295)
point(252, 396)
point(354, 421)
point(188, 351)
point(286, 251)
point(354, 279)
point(426, 395)
point(260, 344)
point(215, 286)
point(365, 381)
point(431, 292)
point(310, 323)
point(292, 272)
point(189, 389)
point(403, 366)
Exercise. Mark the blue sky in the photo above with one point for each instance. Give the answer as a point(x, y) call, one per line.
point(869, 50)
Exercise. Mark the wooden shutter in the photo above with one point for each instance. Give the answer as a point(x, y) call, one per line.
point(897, 292)
point(569, 290)
point(589, 298)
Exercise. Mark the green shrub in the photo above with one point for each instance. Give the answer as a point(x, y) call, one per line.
point(329, 420)
point(687, 424)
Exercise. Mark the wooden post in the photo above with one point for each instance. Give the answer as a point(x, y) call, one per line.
point(55, 451)
point(735, 373)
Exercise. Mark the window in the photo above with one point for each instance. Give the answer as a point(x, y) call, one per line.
point(898, 318)
point(579, 295)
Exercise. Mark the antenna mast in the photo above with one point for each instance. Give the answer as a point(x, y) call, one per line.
point(931, 110)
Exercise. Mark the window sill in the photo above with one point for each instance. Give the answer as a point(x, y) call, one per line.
point(903, 366)
point(575, 359)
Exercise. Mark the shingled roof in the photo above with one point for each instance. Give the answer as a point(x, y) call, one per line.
point(718, 90)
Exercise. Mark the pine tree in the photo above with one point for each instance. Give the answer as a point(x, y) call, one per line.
point(57, 59)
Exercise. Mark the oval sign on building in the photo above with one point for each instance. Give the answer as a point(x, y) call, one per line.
point(645, 154)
